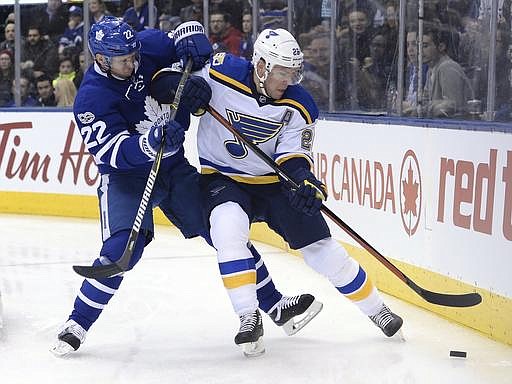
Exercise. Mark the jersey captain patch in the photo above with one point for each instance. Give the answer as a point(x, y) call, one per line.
point(254, 128)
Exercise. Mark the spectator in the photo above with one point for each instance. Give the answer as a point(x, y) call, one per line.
point(410, 103)
point(315, 73)
point(45, 94)
point(26, 98)
point(303, 20)
point(274, 14)
point(97, 10)
point(81, 69)
point(447, 88)
point(6, 76)
point(193, 12)
point(66, 70)
point(319, 50)
point(353, 48)
point(8, 43)
point(138, 15)
point(375, 77)
point(38, 55)
point(503, 67)
point(65, 92)
point(224, 34)
point(52, 19)
point(74, 32)
point(390, 32)
point(246, 45)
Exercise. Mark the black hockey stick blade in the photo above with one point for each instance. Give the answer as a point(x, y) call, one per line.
point(445, 299)
point(122, 265)
point(98, 271)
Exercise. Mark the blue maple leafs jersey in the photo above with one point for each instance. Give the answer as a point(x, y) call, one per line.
point(111, 114)
point(281, 128)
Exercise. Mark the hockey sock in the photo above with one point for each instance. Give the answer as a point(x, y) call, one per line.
point(229, 229)
point(361, 291)
point(266, 291)
point(330, 259)
point(94, 295)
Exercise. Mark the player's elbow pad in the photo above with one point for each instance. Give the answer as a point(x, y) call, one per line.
point(163, 86)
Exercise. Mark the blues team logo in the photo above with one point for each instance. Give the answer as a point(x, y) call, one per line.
point(253, 128)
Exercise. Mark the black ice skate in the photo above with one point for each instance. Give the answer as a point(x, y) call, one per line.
point(249, 337)
point(387, 321)
point(293, 313)
point(69, 339)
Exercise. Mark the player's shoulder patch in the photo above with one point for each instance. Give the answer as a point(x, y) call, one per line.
point(300, 99)
point(226, 65)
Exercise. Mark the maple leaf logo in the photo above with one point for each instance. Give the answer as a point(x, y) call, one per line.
point(157, 115)
point(410, 191)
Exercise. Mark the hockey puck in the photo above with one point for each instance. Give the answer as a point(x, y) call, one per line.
point(458, 354)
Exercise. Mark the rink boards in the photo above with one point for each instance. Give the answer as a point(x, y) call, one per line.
point(438, 202)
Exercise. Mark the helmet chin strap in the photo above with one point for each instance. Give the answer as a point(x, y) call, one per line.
point(261, 81)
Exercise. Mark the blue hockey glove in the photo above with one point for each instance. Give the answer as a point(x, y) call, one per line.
point(310, 194)
point(196, 95)
point(191, 41)
point(174, 138)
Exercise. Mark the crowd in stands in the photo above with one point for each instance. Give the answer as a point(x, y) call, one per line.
point(455, 49)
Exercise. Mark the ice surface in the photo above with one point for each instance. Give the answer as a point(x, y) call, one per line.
point(172, 322)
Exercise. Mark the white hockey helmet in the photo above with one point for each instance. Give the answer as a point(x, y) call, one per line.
point(278, 47)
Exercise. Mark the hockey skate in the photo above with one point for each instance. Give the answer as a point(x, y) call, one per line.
point(293, 313)
point(69, 339)
point(249, 337)
point(389, 322)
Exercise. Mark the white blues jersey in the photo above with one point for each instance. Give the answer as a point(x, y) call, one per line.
point(281, 128)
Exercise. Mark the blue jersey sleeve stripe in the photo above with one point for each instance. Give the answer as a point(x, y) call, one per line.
point(355, 284)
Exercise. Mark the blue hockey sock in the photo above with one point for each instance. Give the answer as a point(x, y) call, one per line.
point(266, 291)
point(94, 295)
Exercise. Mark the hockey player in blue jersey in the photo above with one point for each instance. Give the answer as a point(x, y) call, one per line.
point(264, 101)
point(121, 126)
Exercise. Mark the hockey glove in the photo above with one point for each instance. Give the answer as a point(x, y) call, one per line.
point(310, 194)
point(191, 41)
point(197, 94)
point(174, 138)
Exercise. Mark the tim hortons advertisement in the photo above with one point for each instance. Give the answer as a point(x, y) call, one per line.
point(437, 198)
point(43, 152)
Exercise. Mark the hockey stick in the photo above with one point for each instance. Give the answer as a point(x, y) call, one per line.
point(122, 265)
point(445, 299)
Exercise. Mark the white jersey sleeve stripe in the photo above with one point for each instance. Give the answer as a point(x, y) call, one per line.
point(107, 146)
point(113, 155)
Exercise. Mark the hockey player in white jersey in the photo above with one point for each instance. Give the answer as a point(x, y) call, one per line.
point(122, 126)
point(264, 101)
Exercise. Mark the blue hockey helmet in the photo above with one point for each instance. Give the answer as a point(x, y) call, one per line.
point(112, 37)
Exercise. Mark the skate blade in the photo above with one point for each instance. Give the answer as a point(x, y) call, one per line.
point(61, 349)
point(253, 349)
point(399, 335)
point(292, 326)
